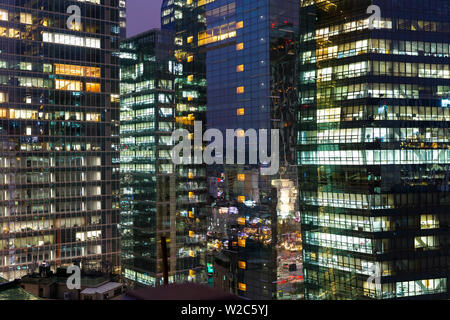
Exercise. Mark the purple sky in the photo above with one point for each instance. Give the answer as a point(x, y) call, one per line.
point(142, 15)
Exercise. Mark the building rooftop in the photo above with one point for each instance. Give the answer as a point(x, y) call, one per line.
point(12, 291)
point(102, 289)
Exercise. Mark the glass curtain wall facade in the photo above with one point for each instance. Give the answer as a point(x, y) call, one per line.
point(59, 113)
point(373, 149)
point(253, 231)
point(147, 174)
point(187, 18)
point(123, 19)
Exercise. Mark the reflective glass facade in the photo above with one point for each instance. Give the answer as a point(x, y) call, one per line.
point(373, 149)
point(59, 113)
point(253, 230)
point(187, 18)
point(147, 174)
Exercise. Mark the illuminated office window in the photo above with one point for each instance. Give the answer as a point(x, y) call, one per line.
point(429, 221)
point(3, 97)
point(190, 39)
point(240, 112)
point(240, 25)
point(47, 68)
point(242, 264)
point(191, 234)
point(190, 58)
point(241, 221)
point(93, 87)
point(190, 78)
point(242, 286)
point(240, 46)
point(69, 85)
point(28, 66)
point(78, 71)
point(426, 242)
point(93, 117)
point(240, 90)
point(241, 177)
point(240, 68)
point(71, 40)
point(26, 18)
point(240, 133)
point(3, 15)
point(241, 199)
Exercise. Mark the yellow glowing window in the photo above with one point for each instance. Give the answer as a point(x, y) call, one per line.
point(242, 286)
point(190, 98)
point(192, 273)
point(192, 253)
point(240, 68)
point(69, 85)
point(191, 234)
point(191, 194)
point(93, 87)
point(240, 112)
point(428, 221)
point(241, 221)
point(79, 71)
point(26, 18)
point(240, 46)
point(241, 177)
point(240, 90)
point(3, 113)
point(191, 136)
point(203, 2)
point(242, 264)
point(241, 242)
point(240, 25)
point(3, 97)
point(93, 117)
point(115, 98)
point(191, 214)
point(190, 78)
point(241, 133)
point(190, 39)
point(190, 58)
point(3, 15)
point(241, 199)
point(190, 175)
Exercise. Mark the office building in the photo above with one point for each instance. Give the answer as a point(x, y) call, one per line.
point(59, 113)
point(253, 230)
point(186, 18)
point(373, 149)
point(148, 198)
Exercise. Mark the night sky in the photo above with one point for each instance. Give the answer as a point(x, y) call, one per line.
point(142, 15)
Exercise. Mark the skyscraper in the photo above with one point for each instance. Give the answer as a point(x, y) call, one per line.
point(187, 18)
point(254, 233)
point(148, 198)
point(373, 148)
point(59, 113)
